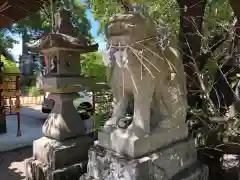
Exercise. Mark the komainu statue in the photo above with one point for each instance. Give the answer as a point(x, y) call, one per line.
point(145, 63)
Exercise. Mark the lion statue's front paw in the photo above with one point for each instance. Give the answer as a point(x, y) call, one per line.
point(109, 125)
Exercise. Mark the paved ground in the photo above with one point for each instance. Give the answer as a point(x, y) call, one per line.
point(31, 127)
point(12, 164)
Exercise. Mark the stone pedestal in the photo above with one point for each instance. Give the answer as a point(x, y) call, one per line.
point(168, 163)
point(125, 142)
point(166, 155)
point(58, 160)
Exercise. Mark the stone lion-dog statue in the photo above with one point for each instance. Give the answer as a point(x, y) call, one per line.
point(151, 73)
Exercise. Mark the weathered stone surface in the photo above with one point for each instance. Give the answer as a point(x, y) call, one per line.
point(127, 143)
point(70, 173)
point(78, 83)
point(36, 170)
point(156, 146)
point(64, 122)
point(59, 154)
point(154, 76)
point(173, 163)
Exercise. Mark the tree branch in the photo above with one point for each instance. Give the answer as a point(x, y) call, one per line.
point(214, 43)
point(125, 5)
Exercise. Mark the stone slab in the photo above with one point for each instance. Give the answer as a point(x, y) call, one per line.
point(36, 170)
point(123, 142)
point(59, 154)
point(174, 163)
point(73, 84)
point(70, 173)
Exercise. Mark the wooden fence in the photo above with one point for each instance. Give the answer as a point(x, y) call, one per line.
point(98, 98)
point(31, 100)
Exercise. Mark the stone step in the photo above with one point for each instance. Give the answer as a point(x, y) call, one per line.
point(59, 154)
point(36, 170)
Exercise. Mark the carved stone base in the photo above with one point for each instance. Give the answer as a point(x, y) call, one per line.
point(58, 160)
point(64, 121)
point(36, 170)
point(172, 163)
point(124, 142)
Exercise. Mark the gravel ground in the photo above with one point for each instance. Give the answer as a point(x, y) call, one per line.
point(12, 164)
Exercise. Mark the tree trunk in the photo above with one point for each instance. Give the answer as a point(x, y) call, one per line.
point(24, 40)
point(236, 53)
point(191, 20)
point(236, 8)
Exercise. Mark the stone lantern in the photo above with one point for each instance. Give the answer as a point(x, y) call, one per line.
point(63, 79)
point(63, 151)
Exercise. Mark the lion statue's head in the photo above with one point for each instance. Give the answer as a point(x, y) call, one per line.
point(133, 26)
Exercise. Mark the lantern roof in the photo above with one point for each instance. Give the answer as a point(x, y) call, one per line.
point(63, 42)
point(64, 37)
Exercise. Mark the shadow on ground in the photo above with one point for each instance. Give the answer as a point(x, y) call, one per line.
point(12, 162)
point(32, 112)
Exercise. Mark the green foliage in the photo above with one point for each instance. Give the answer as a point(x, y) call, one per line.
point(102, 10)
point(6, 41)
point(217, 16)
point(103, 111)
point(34, 91)
point(9, 66)
point(40, 22)
point(166, 10)
point(92, 66)
point(99, 120)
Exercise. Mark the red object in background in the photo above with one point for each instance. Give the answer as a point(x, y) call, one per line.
point(51, 100)
point(44, 35)
point(45, 61)
point(48, 105)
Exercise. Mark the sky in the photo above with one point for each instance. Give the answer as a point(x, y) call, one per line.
point(95, 25)
point(17, 49)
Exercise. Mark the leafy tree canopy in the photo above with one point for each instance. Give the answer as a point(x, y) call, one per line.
point(92, 66)
point(40, 22)
point(9, 66)
point(218, 13)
